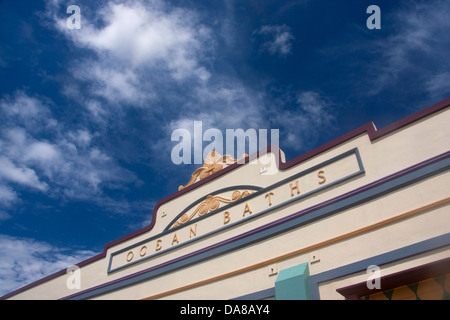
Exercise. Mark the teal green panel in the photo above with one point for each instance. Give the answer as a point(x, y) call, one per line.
point(293, 283)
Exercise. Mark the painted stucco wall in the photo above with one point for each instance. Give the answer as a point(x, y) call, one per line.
point(244, 270)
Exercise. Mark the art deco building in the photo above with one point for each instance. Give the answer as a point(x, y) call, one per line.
point(365, 216)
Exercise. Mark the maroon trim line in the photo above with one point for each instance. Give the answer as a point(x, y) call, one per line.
point(398, 279)
point(368, 128)
point(268, 225)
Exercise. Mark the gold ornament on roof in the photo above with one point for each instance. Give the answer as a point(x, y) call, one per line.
point(211, 203)
point(213, 163)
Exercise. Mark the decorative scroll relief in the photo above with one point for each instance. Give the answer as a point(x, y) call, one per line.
point(219, 213)
point(210, 204)
point(214, 162)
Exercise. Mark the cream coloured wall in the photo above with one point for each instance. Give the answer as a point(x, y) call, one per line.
point(292, 248)
point(391, 153)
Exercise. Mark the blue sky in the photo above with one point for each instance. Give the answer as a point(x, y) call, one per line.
point(87, 114)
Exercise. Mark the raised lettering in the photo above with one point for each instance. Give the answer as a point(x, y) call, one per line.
point(175, 238)
point(158, 245)
point(143, 251)
point(268, 196)
point(226, 217)
point(247, 209)
point(294, 188)
point(193, 232)
point(321, 176)
point(130, 256)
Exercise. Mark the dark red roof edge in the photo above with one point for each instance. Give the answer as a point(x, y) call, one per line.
point(368, 128)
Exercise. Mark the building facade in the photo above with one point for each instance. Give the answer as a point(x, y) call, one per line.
point(365, 216)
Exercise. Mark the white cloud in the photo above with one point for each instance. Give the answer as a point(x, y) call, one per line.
point(229, 105)
point(150, 55)
point(438, 85)
point(20, 175)
point(27, 111)
point(279, 40)
point(239, 107)
point(24, 106)
point(418, 48)
point(81, 137)
point(112, 82)
point(41, 151)
point(149, 34)
point(66, 164)
point(226, 104)
point(303, 125)
point(26, 260)
point(138, 46)
point(4, 215)
point(7, 197)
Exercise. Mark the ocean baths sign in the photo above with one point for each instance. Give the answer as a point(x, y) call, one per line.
point(234, 205)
